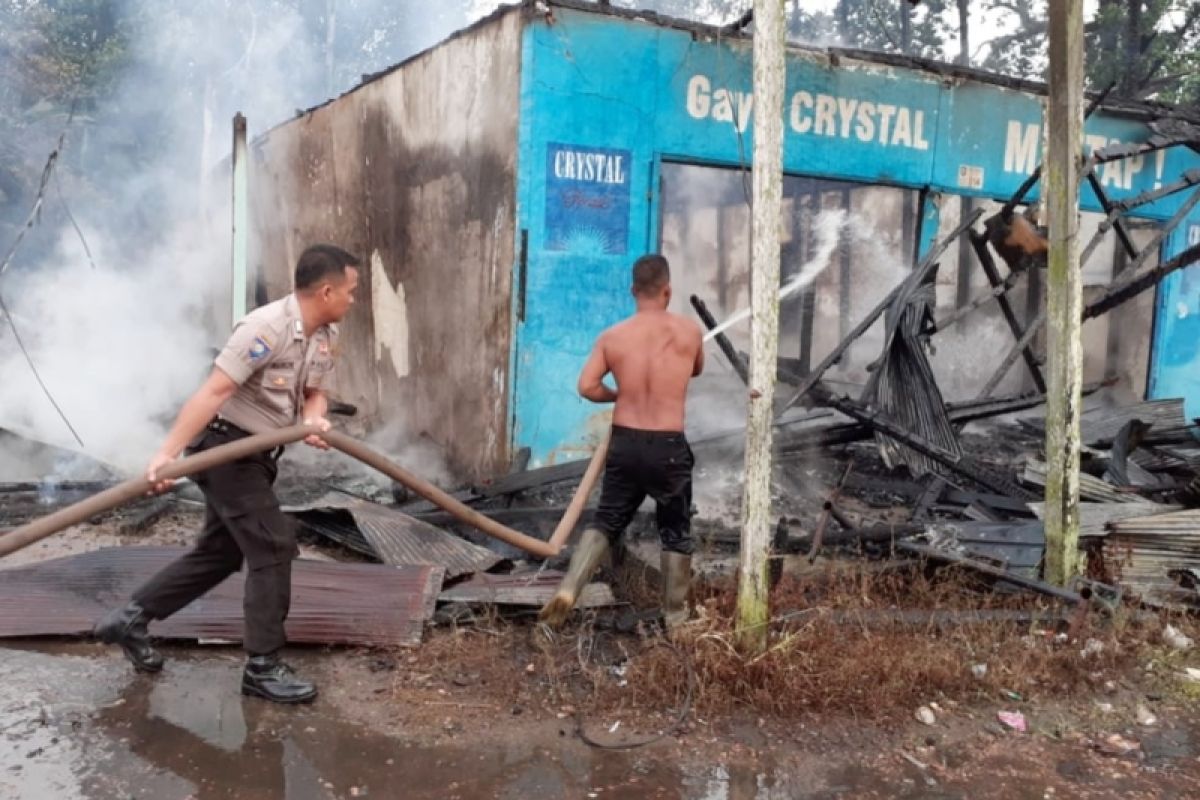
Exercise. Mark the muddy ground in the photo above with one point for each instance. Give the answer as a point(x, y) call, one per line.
point(76, 722)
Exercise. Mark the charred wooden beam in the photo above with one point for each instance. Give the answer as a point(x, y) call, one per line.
point(963, 465)
point(1122, 291)
point(1189, 178)
point(1118, 152)
point(738, 24)
point(1115, 221)
point(61, 486)
point(924, 618)
point(934, 489)
point(1019, 195)
point(827, 512)
point(1004, 503)
point(960, 413)
point(984, 568)
point(915, 279)
point(1141, 283)
point(980, 512)
point(872, 534)
point(1010, 281)
point(779, 545)
point(979, 242)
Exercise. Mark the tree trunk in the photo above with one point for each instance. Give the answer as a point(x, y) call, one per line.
point(1064, 290)
point(1132, 48)
point(753, 610)
point(964, 33)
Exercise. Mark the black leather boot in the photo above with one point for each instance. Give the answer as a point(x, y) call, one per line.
point(271, 679)
point(127, 627)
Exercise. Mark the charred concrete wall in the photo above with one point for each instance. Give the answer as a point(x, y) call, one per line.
point(415, 171)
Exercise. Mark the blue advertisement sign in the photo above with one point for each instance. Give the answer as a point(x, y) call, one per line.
point(668, 94)
point(587, 199)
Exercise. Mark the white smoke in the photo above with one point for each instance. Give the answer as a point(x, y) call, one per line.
point(122, 345)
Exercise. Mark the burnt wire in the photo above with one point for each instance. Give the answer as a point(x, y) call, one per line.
point(82, 240)
point(33, 217)
point(29, 360)
point(685, 710)
point(36, 211)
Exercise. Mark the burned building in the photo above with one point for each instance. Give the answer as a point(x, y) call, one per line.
point(500, 184)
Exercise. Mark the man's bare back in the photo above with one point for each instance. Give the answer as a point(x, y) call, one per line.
point(652, 355)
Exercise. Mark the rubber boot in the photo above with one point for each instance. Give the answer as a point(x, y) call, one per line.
point(271, 679)
point(592, 548)
point(676, 581)
point(126, 627)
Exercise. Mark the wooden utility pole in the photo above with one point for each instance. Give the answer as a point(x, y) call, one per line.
point(1064, 289)
point(241, 219)
point(753, 611)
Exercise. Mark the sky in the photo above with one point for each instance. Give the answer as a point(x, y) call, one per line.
point(984, 26)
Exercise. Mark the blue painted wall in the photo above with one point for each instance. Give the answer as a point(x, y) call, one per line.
point(599, 88)
point(1175, 359)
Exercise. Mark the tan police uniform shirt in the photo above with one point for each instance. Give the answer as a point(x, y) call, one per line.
point(273, 363)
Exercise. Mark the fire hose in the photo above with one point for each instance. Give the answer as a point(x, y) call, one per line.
point(132, 489)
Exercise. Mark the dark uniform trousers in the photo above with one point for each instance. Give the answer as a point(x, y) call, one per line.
point(654, 463)
point(242, 522)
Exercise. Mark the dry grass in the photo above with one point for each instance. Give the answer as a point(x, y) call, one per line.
point(835, 657)
point(856, 662)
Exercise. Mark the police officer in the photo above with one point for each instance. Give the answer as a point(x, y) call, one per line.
point(273, 372)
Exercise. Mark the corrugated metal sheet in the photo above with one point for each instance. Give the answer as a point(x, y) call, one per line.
point(1094, 517)
point(525, 589)
point(392, 536)
point(1144, 552)
point(1100, 426)
point(1091, 488)
point(1017, 547)
point(332, 603)
point(902, 384)
point(1167, 457)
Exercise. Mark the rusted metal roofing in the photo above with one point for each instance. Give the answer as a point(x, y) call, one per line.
point(332, 603)
point(522, 589)
point(391, 536)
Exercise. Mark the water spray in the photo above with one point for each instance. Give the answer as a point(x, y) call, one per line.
point(828, 229)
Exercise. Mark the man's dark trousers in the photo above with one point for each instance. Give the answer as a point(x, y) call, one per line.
point(242, 522)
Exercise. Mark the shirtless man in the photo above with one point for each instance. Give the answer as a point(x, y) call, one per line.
point(652, 355)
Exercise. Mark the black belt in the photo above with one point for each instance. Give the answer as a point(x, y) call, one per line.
point(219, 425)
point(621, 430)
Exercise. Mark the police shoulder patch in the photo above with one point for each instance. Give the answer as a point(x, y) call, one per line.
point(259, 348)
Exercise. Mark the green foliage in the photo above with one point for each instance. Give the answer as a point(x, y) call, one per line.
point(1146, 49)
point(1021, 51)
